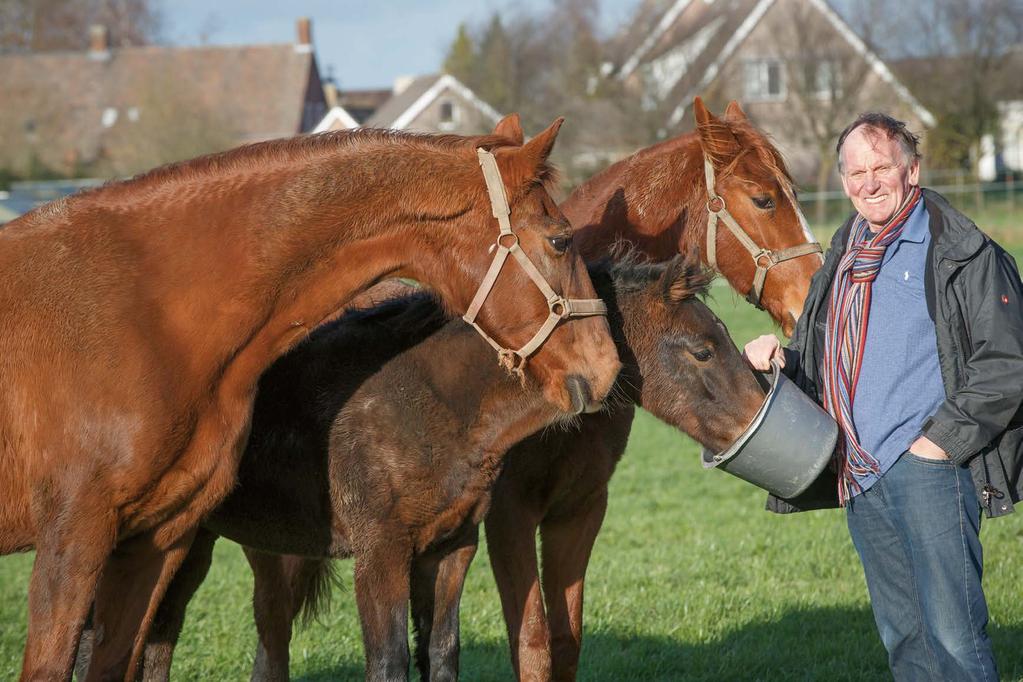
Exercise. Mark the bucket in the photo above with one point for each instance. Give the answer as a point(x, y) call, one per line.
point(786, 446)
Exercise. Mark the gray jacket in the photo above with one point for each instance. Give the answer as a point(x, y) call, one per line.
point(975, 298)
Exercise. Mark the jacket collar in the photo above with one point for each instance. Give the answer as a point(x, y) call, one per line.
point(955, 236)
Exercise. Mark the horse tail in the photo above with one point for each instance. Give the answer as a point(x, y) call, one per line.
point(313, 588)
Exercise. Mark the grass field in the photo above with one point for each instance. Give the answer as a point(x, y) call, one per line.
point(690, 580)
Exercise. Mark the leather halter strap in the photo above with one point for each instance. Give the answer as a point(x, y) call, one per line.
point(508, 244)
point(764, 259)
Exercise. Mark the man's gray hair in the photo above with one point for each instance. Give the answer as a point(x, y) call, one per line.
point(891, 127)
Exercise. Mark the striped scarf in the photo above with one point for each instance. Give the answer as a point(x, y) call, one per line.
point(846, 333)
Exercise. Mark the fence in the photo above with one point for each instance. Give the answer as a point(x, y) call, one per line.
point(996, 207)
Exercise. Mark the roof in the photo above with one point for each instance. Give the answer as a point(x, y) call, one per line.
point(403, 108)
point(361, 104)
point(336, 119)
point(85, 103)
point(691, 40)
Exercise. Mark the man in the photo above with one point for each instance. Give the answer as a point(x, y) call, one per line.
point(912, 338)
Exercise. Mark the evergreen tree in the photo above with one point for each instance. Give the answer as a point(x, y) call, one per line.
point(461, 58)
point(495, 81)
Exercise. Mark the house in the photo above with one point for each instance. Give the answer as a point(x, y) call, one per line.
point(437, 103)
point(796, 67)
point(117, 111)
point(971, 83)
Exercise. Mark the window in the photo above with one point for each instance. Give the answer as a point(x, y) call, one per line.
point(764, 80)
point(447, 112)
point(109, 117)
point(448, 115)
point(823, 79)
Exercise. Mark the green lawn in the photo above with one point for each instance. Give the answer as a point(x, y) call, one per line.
point(690, 580)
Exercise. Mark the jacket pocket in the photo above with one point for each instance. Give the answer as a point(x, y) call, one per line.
point(1010, 454)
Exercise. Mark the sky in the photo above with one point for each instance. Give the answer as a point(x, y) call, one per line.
point(363, 43)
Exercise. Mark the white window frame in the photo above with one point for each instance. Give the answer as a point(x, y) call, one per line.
point(455, 114)
point(822, 89)
point(756, 77)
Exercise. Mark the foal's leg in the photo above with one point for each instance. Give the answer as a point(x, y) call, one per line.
point(436, 591)
point(566, 544)
point(511, 543)
point(74, 539)
point(134, 581)
point(170, 616)
point(282, 585)
point(382, 594)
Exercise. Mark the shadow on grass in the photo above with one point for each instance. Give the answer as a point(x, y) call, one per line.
point(812, 644)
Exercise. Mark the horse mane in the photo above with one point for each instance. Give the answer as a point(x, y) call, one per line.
point(629, 271)
point(416, 314)
point(259, 156)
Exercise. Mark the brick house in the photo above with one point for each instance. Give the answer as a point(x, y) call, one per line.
point(117, 111)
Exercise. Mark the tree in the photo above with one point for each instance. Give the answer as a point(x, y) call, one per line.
point(46, 25)
point(825, 78)
point(957, 60)
point(461, 59)
point(496, 80)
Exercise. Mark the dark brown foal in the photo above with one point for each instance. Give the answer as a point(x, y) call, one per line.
point(298, 500)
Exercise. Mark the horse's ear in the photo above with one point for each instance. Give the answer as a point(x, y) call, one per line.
point(734, 112)
point(700, 112)
point(528, 163)
point(511, 127)
point(718, 142)
point(684, 278)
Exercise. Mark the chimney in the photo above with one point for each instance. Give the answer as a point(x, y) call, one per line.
point(401, 84)
point(330, 94)
point(304, 28)
point(99, 42)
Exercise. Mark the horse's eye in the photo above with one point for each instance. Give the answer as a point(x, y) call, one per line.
point(763, 202)
point(561, 243)
point(703, 355)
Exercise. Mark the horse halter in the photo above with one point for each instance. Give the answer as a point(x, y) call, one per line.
point(508, 243)
point(764, 259)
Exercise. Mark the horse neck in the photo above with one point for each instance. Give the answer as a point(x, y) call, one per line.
point(655, 199)
point(284, 246)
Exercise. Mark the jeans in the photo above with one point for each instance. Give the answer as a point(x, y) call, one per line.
point(917, 533)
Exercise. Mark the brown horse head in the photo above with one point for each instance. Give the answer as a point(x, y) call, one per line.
point(678, 356)
point(545, 236)
point(657, 200)
point(750, 176)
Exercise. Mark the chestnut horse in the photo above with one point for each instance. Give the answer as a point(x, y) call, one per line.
point(658, 199)
point(137, 318)
point(339, 463)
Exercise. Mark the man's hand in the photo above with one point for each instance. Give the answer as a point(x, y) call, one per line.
point(759, 352)
point(925, 447)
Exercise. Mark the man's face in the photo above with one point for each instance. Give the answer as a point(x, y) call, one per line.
point(876, 176)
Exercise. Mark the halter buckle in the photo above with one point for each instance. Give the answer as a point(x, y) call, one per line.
point(716, 204)
point(560, 306)
point(764, 254)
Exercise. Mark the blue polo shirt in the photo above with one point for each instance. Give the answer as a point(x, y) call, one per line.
point(900, 379)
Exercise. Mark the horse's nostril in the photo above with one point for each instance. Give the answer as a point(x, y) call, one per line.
point(579, 389)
